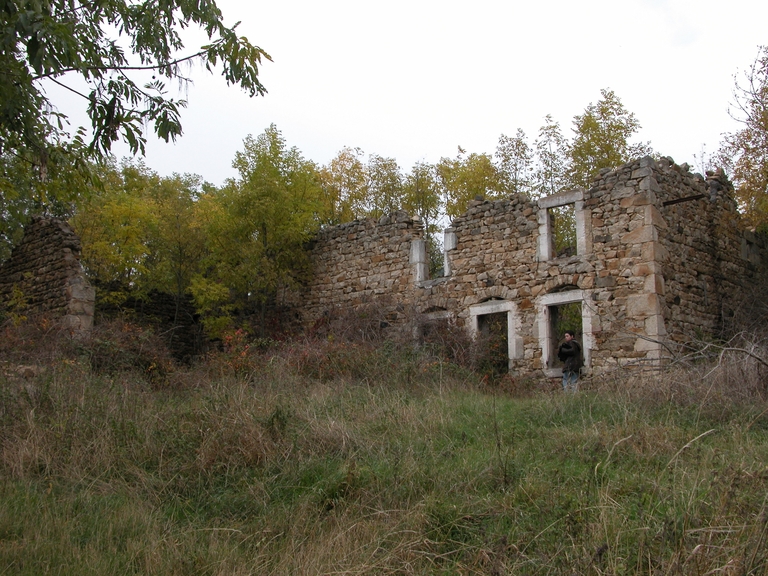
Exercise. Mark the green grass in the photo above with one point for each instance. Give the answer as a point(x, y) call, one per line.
point(363, 462)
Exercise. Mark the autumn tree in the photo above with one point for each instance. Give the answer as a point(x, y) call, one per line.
point(601, 139)
point(257, 226)
point(421, 197)
point(744, 153)
point(119, 57)
point(177, 243)
point(140, 232)
point(465, 177)
point(514, 161)
point(344, 185)
point(552, 160)
point(23, 193)
point(384, 190)
point(114, 227)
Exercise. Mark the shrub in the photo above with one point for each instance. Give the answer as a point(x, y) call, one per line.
point(119, 346)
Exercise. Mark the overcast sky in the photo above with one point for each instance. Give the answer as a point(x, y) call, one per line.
point(415, 79)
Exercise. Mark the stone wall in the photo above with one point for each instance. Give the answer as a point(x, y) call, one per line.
point(44, 275)
point(362, 261)
point(702, 259)
point(660, 255)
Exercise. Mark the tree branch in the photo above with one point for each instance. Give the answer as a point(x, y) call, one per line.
point(51, 75)
point(68, 88)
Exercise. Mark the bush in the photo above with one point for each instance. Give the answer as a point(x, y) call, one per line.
point(121, 346)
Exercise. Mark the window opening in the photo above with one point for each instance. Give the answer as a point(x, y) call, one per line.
point(564, 226)
point(435, 258)
point(562, 221)
point(564, 317)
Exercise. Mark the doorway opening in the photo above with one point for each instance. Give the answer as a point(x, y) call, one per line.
point(493, 344)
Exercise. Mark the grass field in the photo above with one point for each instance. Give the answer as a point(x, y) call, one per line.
point(322, 458)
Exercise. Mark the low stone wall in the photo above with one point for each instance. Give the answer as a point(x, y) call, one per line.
point(44, 275)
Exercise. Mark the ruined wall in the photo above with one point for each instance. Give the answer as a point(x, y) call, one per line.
point(44, 271)
point(659, 255)
point(492, 258)
point(629, 287)
point(705, 265)
point(360, 261)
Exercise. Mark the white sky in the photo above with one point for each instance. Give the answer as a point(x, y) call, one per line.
point(415, 79)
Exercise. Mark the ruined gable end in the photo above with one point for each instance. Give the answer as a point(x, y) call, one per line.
point(44, 275)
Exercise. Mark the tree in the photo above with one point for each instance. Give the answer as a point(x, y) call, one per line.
point(601, 139)
point(384, 186)
point(514, 162)
point(344, 187)
point(177, 243)
point(23, 193)
point(551, 148)
point(421, 197)
point(257, 228)
point(465, 177)
point(745, 152)
point(123, 52)
point(141, 232)
point(115, 228)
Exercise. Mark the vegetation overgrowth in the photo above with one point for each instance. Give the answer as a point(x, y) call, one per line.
point(328, 456)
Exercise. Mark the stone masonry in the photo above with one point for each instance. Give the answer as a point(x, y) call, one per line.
point(44, 275)
point(660, 257)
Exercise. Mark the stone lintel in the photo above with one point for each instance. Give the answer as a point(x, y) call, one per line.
point(562, 198)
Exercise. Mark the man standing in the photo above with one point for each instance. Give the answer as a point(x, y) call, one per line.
point(569, 354)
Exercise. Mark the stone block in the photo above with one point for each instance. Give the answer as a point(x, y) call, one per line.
point(645, 345)
point(654, 252)
point(654, 326)
point(622, 192)
point(654, 217)
point(639, 235)
point(654, 283)
point(650, 184)
point(642, 305)
point(641, 270)
point(641, 173)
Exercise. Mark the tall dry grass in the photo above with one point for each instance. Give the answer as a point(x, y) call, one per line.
point(342, 457)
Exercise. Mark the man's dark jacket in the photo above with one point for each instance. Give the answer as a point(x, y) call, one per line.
point(569, 354)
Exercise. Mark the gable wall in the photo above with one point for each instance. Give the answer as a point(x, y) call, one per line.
point(45, 268)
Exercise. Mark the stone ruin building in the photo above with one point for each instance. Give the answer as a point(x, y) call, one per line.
point(44, 275)
point(659, 258)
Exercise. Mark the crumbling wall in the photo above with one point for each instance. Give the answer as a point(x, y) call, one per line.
point(705, 268)
point(626, 285)
point(660, 254)
point(362, 261)
point(44, 275)
point(690, 234)
point(492, 258)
